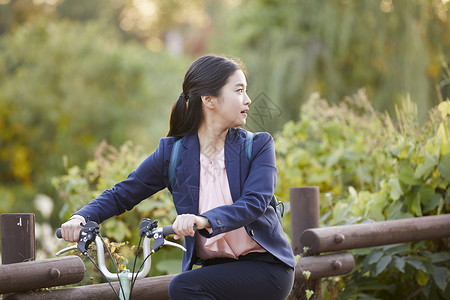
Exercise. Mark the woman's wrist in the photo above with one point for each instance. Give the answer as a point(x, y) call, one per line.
point(202, 223)
point(78, 217)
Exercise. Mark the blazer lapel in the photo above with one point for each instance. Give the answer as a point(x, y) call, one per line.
point(188, 173)
point(232, 163)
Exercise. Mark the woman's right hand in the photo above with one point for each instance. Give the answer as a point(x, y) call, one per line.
point(70, 230)
point(184, 225)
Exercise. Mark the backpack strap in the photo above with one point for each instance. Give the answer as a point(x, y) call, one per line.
point(278, 206)
point(173, 161)
point(249, 145)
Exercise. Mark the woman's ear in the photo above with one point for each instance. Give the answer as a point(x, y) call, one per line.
point(208, 101)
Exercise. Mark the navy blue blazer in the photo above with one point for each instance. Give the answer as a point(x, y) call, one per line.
point(252, 184)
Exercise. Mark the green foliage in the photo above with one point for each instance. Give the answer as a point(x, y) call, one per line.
point(79, 185)
point(65, 88)
point(307, 274)
point(369, 168)
point(311, 152)
point(295, 48)
point(309, 293)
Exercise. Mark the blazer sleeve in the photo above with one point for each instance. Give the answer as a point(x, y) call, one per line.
point(140, 184)
point(257, 190)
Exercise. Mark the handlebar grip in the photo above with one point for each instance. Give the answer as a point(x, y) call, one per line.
point(167, 230)
point(58, 233)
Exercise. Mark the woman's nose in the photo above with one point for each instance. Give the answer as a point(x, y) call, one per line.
point(247, 100)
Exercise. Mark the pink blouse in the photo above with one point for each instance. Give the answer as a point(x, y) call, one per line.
point(214, 192)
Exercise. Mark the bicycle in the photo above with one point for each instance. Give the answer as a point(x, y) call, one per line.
point(148, 230)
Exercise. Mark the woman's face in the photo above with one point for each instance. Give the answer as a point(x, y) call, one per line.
point(232, 104)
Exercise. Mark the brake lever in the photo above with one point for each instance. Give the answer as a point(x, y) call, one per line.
point(160, 241)
point(147, 227)
point(87, 236)
point(169, 243)
point(74, 247)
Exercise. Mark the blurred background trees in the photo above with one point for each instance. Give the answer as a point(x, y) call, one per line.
point(78, 77)
point(391, 48)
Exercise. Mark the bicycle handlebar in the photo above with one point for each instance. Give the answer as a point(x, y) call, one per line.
point(168, 230)
point(148, 230)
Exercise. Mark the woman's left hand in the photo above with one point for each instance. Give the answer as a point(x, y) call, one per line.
point(184, 225)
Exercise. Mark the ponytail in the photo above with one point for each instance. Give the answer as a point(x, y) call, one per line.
point(178, 116)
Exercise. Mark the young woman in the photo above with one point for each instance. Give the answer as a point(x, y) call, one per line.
point(239, 241)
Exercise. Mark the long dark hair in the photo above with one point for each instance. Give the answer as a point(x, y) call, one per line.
point(205, 77)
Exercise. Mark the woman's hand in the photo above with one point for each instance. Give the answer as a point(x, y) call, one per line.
point(70, 230)
point(184, 225)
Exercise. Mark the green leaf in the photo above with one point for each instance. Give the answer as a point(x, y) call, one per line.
point(447, 196)
point(395, 211)
point(396, 248)
point(382, 264)
point(440, 277)
point(309, 293)
point(412, 201)
point(307, 274)
point(374, 257)
point(426, 192)
point(444, 166)
point(375, 207)
point(433, 203)
point(422, 277)
point(396, 190)
point(424, 169)
point(406, 175)
point(400, 264)
point(417, 264)
point(439, 257)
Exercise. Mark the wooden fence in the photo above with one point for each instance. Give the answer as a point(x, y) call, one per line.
point(305, 214)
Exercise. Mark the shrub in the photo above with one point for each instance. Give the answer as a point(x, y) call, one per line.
point(370, 168)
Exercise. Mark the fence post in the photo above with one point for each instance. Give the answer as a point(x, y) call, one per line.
point(18, 238)
point(305, 214)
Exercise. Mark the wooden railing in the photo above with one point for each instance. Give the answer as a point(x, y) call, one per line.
point(18, 278)
point(307, 236)
point(32, 275)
